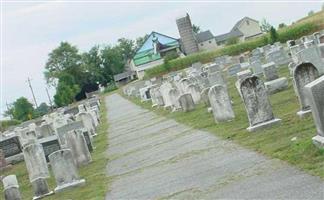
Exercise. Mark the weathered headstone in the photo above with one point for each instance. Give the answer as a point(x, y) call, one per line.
point(304, 73)
point(256, 67)
point(312, 55)
point(220, 103)
point(276, 85)
point(216, 78)
point(64, 170)
point(234, 69)
point(12, 149)
point(87, 121)
point(194, 90)
point(315, 95)
point(50, 144)
point(11, 188)
point(270, 71)
point(77, 143)
point(257, 104)
point(35, 161)
point(40, 188)
point(186, 102)
point(204, 96)
point(174, 95)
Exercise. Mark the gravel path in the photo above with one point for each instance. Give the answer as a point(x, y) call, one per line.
point(152, 157)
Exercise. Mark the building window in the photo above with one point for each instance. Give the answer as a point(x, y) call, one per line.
point(201, 44)
point(247, 22)
point(209, 41)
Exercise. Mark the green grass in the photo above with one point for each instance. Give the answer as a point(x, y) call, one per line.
point(94, 173)
point(273, 142)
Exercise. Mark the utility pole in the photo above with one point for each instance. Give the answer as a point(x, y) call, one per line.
point(49, 99)
point(31, 88)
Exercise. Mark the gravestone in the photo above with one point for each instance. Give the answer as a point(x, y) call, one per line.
point(194, 90)
point(183, 84)
point(234, 69)
point(186, 102)
point(257, 104)
point(35, 162)
point(312, 55)
point(164, 89)
point(27, 136)
point(204, 96)
point(87, 121)
point(220, 103)
point(50, 144)
point(44, 130)
point(12, 149)
point(3, 162)
point(174, 95)
point(40, 188)
point(73, 126)
point(270, 71)
point(304, 73)
point(315, 94)
point(216, 78)
point(256, 67)
point(213, 68)
point(240, 77)
point(11, 188)
point(64, 170)
point(278, 56)
point(78, 146)
point(276, 85)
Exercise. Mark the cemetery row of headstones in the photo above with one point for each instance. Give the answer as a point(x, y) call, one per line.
point(256, 80)
point(63, 138)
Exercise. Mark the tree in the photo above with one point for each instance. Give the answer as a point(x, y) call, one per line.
point(310, 13)
point(282, 25)
point(265, 26)
point(63, 59)
point(127, 48)
point(140, 41)
point(112, 61)
point(196, 29)
point(42, 109)
point(66, 90)
point(232, 40)
point(92, 63)
point(273, 35)
point(21, 110)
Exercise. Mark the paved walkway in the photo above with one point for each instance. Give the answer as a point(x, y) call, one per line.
point(152, 157)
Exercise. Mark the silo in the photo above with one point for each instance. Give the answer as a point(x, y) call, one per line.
point(187, 35)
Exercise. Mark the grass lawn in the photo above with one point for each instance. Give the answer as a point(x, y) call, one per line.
point(274, 142)
point(94, 173)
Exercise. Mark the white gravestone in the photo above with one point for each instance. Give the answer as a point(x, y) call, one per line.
point(220, 103)
point(304, 73)
point(186, 102)
point(11, 188)
point(78, 145)
point(315, 94)
point(64, 170)
point(194, 90)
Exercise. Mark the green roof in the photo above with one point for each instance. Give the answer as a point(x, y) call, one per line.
point(146, 53)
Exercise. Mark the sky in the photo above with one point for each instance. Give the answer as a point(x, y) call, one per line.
point(30, 30)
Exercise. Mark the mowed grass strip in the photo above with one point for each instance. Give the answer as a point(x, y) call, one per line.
point(273, 142)
point(94, 173)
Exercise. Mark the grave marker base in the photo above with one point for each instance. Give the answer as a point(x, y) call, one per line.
point(318, 141)
point(304, 113)
point(264, 125)
point(44, 195)
point(63, 187)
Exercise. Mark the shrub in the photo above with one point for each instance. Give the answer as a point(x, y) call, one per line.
point(232, 40)
point(5, 124)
